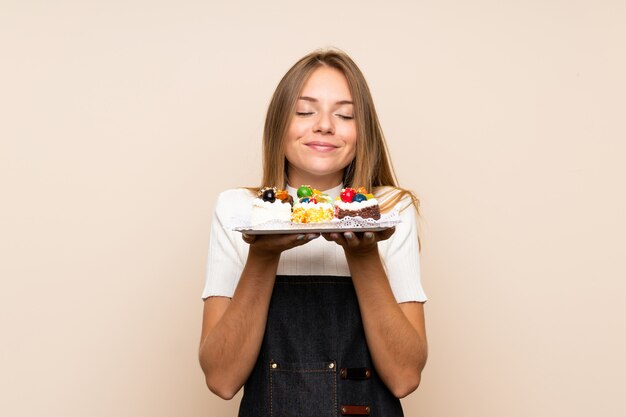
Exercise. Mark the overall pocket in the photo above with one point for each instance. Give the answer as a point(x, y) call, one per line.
point(303, 389)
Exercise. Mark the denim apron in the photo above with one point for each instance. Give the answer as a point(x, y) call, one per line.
point(314, 360)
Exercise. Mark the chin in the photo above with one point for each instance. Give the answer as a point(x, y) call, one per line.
point(318, 166)
point(326, 165)
point(323, 171)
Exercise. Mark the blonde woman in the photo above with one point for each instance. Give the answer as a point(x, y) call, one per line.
point(316, 325)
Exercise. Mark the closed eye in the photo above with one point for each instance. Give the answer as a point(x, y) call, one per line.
point(344, 117)
point(302, 113)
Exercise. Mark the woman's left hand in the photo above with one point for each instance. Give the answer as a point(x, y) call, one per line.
point(359, 243)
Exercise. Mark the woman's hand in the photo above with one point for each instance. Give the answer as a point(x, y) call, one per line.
point(233, 328)
point(359, 243)
point(274, 245)
point(397, 343)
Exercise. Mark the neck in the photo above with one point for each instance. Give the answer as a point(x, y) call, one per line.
point(297, 178)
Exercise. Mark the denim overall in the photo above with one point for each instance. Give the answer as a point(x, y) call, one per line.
point(314, 360)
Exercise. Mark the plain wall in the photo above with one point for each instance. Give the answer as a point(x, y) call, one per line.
point(121, 121)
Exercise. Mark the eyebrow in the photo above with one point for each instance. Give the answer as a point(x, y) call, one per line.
point(314, 100)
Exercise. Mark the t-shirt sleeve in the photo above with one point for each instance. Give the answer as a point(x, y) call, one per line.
point(401, 257)
point(225, 260)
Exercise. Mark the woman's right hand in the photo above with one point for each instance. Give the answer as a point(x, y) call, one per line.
point(274, 245)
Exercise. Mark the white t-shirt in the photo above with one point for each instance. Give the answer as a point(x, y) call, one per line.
point(228, 252)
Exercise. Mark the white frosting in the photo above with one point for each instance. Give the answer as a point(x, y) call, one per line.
point(267, 205)
point(356, 205)
point(264, 211)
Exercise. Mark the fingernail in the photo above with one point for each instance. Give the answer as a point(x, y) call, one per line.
point(311, 237)
point(369, 235)
point(300, 237)
point(348, 235)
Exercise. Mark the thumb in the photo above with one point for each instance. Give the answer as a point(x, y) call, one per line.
point(249, 239)
point(386, 234)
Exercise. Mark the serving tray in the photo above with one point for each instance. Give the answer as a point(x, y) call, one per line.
point(309, 228)
point(347, 224)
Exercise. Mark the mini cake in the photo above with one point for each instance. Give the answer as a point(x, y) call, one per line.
point(312, 207)
point(271, 205)
point(357, 203)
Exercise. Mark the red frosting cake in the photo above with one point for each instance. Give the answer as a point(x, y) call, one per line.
point(357, 203)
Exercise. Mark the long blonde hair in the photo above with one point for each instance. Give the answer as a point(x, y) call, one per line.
point(371, 168)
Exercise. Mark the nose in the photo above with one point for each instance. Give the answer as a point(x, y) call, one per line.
point(324, 124)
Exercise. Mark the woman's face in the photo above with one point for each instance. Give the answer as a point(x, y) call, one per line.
point(321, 138)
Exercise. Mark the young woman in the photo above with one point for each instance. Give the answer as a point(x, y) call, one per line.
point(317, 326)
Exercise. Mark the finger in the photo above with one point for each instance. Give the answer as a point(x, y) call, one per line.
point(339, 239)
point(302, 239)
point(369, 238)
point(312, 236)
point(280, 240)
point(249, 239)
point(296, 240)
point(351, 239)
point(386, 234)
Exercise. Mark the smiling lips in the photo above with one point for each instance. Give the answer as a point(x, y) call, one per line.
point(321, 146)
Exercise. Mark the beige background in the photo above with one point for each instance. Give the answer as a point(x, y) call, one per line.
point(122, 120)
